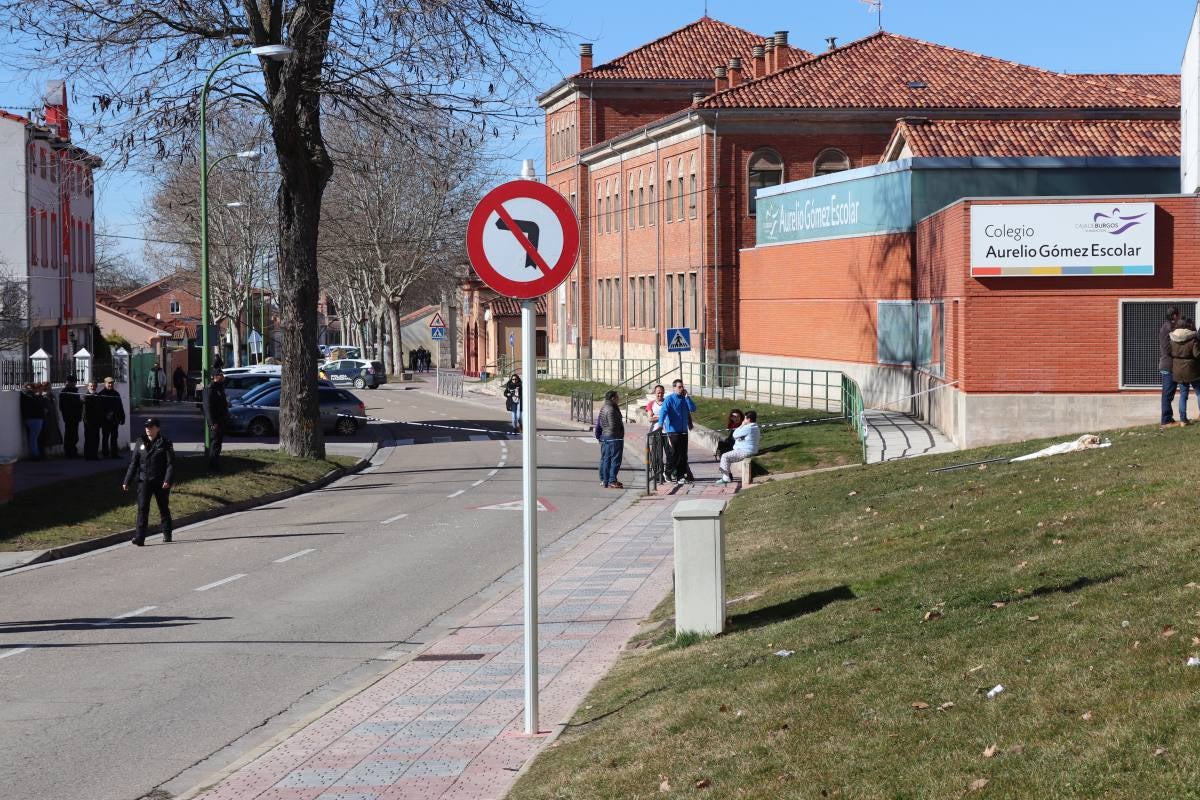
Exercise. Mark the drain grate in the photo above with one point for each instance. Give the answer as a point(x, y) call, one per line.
point(449, 657)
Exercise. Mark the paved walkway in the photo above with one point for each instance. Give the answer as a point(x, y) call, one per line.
point(892, 435)
point(449, 723)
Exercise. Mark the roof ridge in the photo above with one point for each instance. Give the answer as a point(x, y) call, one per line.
point(694, 23)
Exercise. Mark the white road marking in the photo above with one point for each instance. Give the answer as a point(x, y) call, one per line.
point(501, 464)
point(221, 582)
point(137, 613)
point(456, 494)
point(295, 555)
point(13, 652)
point(477, 483)
point(492, 474)
point(390, 520)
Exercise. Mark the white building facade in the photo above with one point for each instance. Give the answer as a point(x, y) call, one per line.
point(47, 228)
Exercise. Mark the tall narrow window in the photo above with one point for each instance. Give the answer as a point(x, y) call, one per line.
point(607, 210)
point(667, 189)
point(620, 302)
point(617, 204)
point(629, 207)
point(830, 160)
point(679, 195)
point(692, 189)
point(652, 320)
point(765, 169)
point(33, 239)
point(694, 297)
point(642, 200)
point(681, 287)
point(669, 297)
point(642, 321)
point(652, 209)
point(633, 303)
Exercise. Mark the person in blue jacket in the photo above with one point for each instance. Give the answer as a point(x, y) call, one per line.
point(676, 410)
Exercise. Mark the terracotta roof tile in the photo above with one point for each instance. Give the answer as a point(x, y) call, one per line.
point(689, 53)
point(1155, 84)
point(113, 304)
point(508, 307)
point(879, 71)
point(413, 316)
point(1014, 138)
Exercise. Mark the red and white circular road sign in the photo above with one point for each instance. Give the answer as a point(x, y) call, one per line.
point(523, 239)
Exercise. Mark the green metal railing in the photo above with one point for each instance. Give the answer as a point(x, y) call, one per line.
point(789, 387)
point(852, 407)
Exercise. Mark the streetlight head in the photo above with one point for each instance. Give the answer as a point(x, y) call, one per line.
point(275, 52)
point(250, 155)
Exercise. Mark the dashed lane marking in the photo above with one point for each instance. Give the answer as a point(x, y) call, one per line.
point(390, 520)
point(136, 613)
point(295, 555)
point(17, 651)
point(478, 482)
point(221, 582)
point(492, 474)
point(455, 494)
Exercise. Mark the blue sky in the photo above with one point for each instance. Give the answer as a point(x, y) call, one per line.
point(1064, 35)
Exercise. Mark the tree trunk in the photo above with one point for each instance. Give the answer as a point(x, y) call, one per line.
point(235, 333)
point(397, 356)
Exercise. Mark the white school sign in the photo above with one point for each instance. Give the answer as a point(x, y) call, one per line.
point(1062, 240)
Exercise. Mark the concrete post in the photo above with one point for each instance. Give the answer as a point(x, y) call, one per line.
point(83, 367)
point(40, 364)
point(699, 566)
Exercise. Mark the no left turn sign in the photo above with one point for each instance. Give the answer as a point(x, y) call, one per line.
point(523, 239)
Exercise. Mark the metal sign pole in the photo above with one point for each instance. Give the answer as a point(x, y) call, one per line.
point(530, 505)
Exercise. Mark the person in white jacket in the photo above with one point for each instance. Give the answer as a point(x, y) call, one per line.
point(745, 444)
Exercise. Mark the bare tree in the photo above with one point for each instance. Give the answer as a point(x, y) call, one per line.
point(116, 272)
point(400, 208)
point(14, 317)
point(145, 59)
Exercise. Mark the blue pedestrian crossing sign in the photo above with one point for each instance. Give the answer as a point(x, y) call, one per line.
point(679, 340)
point(437, 333)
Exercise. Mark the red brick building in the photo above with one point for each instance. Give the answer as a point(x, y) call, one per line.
point(662, 149)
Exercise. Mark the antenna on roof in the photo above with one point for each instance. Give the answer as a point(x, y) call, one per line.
point(877, 7)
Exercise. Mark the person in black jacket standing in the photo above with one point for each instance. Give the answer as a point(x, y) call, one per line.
point(71, 406)
point(93, 418)
point(113, 417)
point(153, 466)
point(216, 416)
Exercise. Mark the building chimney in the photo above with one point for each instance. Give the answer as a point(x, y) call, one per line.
point(735, 72)
point(760, 61)
point(585, 56)
point(783, 53)
point(832, 42)
point(721, 82)
point(770, 48)
point(697, 98)
point(55, 99)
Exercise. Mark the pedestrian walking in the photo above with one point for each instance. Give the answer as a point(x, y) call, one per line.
point(33, 418)
point(611, 429)
point(216, 416)
point(93, 419)
point(70, 404)
point(113, 417)
point(1164, 365)
point(179, 378)
point(153, 467)
point(745, 444)
point(51, 439)
point(512, 400)
point(676, 416)
point(1185, 368)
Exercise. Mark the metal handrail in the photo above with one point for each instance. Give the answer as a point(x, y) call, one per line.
point(853, 409)
point(583, 406)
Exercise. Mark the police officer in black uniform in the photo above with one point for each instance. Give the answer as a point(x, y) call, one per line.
point(216, 416)
point(153, 466)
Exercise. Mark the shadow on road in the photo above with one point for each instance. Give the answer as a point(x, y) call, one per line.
point(97, 623)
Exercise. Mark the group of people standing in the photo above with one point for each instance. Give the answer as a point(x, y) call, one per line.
point(672, 416)
point(419, 359)
point(49, 425)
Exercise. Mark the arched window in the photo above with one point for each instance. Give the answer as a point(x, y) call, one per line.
point(629, 207)
point(830, 160)
point(616, 200)
point(653, 203)
point(668, 187)
point(692, 188)
point(679, 194)
point(765, 169)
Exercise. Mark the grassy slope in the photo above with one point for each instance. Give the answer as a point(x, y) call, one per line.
point(37, 518)
point(788, 449)
point(1092, 556)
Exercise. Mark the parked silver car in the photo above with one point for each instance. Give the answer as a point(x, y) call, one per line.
point(340, 411)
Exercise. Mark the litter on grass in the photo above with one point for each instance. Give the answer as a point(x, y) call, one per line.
point(995, 690)
point(1193, 661)
point(1088, 441)
point(784, 653)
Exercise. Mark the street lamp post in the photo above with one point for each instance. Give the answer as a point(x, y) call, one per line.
point(276, 52)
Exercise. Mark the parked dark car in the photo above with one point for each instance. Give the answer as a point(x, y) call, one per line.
point(258, 391)
point(359, 372)
point(339, 409)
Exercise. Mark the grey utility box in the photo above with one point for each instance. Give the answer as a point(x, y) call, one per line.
point(699, 566)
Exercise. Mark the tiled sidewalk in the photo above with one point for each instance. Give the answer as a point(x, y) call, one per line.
point(453, 728)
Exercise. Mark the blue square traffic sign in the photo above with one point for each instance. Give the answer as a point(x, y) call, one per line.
point(679, 340)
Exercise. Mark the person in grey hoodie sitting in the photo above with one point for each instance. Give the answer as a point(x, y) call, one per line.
point(745, 444)
point(1185, 364)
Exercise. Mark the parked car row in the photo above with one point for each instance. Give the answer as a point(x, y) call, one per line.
point(259, 416)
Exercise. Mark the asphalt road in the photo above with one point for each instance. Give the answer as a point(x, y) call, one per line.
point(130, 669)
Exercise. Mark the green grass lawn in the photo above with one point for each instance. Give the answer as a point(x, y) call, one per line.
point(786, 449)
point(906, 596)
point(91, 506)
